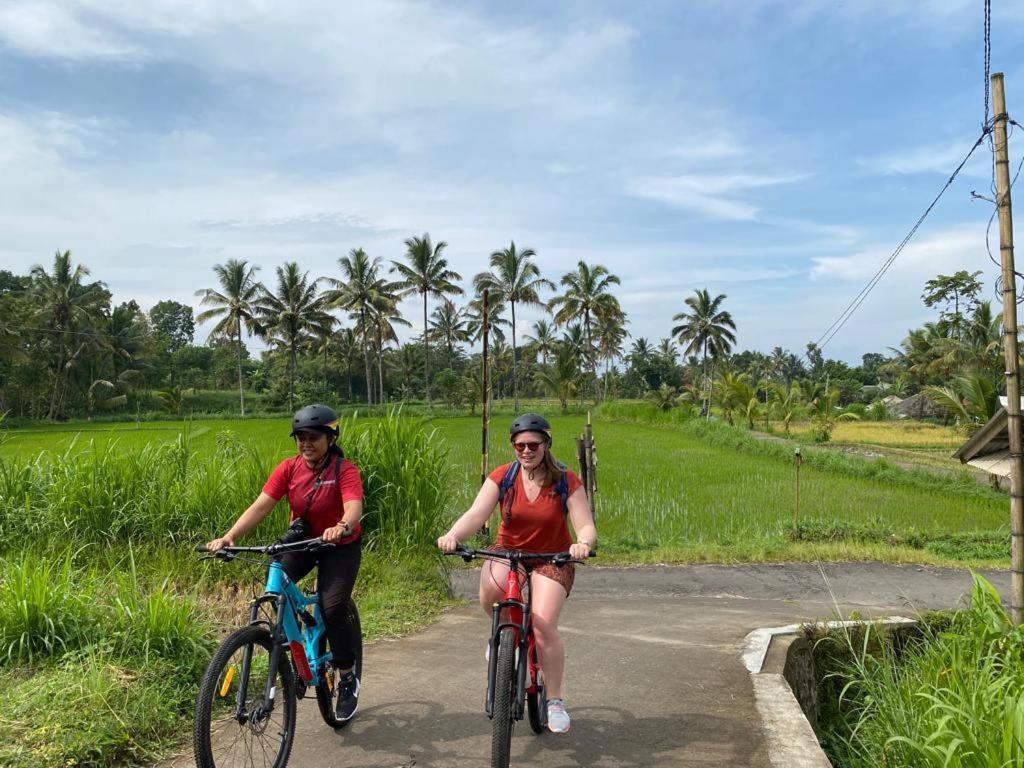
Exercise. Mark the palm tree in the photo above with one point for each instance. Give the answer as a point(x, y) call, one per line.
point(708, 329)
point(972, 400)
point(587, 298)
point(664, 397)
point(66, 306)
point(450, 326)
point(384, 318)
point(356, 293)
point(291, 314)
point(515, 279)
point(235, 304)
point(347, 344)
point(428, 275)
point(475, 319)
point(667, 349)
point(561, 378)
point(543, 340)
point(611, 334)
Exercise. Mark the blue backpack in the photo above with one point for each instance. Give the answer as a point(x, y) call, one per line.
point(507, 489)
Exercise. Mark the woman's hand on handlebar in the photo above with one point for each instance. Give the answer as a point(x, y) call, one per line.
point(220, 543)
point(447, 543)
point(336, 533)
point(580, 550)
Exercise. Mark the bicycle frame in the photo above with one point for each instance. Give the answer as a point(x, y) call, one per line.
point(291, 607)
point(514, 611)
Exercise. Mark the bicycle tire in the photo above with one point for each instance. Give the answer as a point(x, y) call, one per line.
point(218, 739)
point(325, 690)
point(504, 699)
point(536, 706)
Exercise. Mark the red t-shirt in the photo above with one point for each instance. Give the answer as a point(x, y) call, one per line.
point(540, 525)
point(294, 478)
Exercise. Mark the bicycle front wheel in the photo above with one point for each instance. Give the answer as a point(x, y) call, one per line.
point(234, 730)
point(504, 698)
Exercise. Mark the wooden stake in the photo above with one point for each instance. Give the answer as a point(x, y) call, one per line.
point(1010, 350)
point(796, 509)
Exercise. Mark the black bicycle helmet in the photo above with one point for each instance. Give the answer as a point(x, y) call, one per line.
point(530, 422)
point(315, 417)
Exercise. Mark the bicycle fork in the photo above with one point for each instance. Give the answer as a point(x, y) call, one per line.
point(263, 709)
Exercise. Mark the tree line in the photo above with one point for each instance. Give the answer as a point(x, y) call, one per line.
point(67, 351)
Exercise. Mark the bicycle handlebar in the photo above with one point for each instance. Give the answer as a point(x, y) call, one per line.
point(307, 545)
point(558, 558)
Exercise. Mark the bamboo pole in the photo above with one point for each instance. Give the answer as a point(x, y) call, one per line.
point(484, 410)
point(588, 443)
point(1010, 349)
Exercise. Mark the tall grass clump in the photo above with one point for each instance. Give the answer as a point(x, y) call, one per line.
point(42, 611)
point(953, 699)
point(406, 477)
point(161, 493)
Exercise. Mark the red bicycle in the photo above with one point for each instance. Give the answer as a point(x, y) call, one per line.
point(515, 680)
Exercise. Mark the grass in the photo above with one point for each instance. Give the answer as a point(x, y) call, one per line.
point(136, 613)
point(952, 698)
point(105, 643)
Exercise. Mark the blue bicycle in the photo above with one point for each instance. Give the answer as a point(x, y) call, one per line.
point(245, 711)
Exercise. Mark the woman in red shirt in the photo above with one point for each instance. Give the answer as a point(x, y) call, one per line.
point(534, 520)
point(325, 493)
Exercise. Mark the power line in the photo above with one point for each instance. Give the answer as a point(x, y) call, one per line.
point(857, 300)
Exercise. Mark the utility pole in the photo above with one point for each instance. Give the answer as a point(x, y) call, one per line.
point(1010, 349)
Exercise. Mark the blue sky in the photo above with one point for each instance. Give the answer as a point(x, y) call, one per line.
point(773, 151)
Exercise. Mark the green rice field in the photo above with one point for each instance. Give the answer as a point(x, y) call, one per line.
point(661, 489)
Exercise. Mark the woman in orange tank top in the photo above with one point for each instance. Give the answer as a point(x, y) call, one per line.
point(534, 518)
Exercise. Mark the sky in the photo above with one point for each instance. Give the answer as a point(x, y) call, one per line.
point(775, 151)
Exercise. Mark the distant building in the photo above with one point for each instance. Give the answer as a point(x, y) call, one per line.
point(917, 407)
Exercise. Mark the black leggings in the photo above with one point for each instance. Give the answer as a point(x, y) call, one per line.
point(336, 576)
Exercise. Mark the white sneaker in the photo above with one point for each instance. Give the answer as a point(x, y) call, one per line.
point(558, 718)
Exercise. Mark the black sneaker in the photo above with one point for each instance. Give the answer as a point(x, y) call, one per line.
point(348, 697)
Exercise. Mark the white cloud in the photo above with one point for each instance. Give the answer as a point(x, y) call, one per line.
point(706, 193)
point(936, 158)
point(55, 30)
point(948, 250)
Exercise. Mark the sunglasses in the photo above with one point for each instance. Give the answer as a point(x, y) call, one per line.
point(532, 446)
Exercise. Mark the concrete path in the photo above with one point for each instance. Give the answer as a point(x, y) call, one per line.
point(654, 675)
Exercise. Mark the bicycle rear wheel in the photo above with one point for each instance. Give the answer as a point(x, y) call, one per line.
point(536, 706)
point(504, 699)
point(325, 689)
point(223, 739)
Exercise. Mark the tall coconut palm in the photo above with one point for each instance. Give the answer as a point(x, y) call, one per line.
point(611, 335)
point(347, 344)
point(356, 293)
point(65, 306)
point(384, 318)
point(587, 298)
point(707, 329)
point(514, 279)
point(235, 305)
point(291, 314)
point(450, 327)
point(427, 274)
point(495, 322)
point(543, 340)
